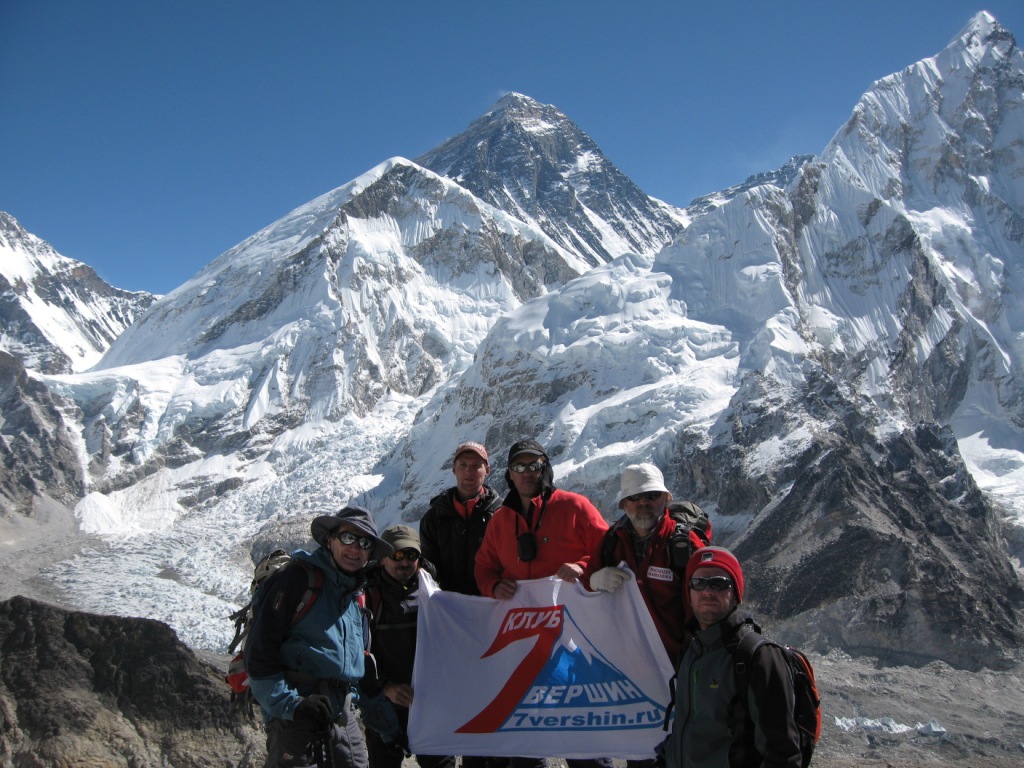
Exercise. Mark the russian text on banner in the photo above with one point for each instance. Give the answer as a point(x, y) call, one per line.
point(556, 671)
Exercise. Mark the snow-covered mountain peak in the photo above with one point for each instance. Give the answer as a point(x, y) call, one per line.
point(530, 114)
point(530, 160)
point(58, 315)
point(398, 220)
point(287, 235)
point(980, 32)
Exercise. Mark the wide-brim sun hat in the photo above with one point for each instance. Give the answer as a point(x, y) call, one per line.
point(640, 478)
point(356, 517)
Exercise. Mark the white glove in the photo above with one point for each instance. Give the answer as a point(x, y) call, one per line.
point(609, 579)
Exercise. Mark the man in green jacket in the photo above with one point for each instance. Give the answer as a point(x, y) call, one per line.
point(709, 728)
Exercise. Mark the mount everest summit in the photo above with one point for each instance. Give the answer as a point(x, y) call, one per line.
point(827, 359)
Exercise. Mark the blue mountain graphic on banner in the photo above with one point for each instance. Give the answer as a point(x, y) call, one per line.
point(579, 688)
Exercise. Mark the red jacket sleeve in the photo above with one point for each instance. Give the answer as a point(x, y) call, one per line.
point(487, 568)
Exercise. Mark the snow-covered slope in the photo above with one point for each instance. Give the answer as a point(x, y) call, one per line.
point(382, 287)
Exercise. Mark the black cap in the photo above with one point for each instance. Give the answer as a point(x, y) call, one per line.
point(526, 446)
point(358, 518)
point(547, 477)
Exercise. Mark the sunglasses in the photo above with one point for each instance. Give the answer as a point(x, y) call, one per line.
point(405, 554)
point(714, 583)
point(348, 539)
point(536, 466)
point(648, 495)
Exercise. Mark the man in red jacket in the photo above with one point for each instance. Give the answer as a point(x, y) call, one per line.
point(645, 539)
point(539, 530)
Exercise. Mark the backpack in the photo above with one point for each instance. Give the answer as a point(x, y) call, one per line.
point(807, 699)
point(237, 678)
point(692, 531)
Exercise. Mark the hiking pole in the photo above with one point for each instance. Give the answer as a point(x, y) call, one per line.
point(320, 749)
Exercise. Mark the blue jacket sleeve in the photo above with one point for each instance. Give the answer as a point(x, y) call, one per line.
point(271, 623)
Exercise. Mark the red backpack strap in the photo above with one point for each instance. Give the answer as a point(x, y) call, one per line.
point(374, 601)
point(314, 586)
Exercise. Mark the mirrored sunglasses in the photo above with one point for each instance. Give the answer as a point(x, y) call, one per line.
point(536, 466)
point(648, 495)
point(348, 539)
point(405, 554)
point(714, 583)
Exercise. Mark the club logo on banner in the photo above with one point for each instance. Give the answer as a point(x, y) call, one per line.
point(560, 686)
point(584, 674)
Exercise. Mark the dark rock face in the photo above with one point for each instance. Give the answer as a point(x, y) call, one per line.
point(81, 689)
point(37, 455)
point(525, 158)
point(882, 548)
point(780, 177)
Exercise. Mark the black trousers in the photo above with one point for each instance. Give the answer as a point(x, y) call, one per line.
point(293, 744)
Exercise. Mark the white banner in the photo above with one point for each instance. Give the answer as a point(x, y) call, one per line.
point(554, 672)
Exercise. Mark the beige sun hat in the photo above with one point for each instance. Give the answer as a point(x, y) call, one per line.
point(640, 478)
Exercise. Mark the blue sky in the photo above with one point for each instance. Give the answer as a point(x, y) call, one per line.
point(146, 138)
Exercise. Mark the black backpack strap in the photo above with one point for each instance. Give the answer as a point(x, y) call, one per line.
point(374, 601)
point(743, 646)
point(671, 701)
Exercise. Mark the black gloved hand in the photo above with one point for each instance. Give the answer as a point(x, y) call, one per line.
point(315, 710)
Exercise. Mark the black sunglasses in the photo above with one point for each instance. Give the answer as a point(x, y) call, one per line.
point(348, 539)
point(649, 495)
point(527, 544)
point(536, 466)
point(405, 554)
point(715, 583)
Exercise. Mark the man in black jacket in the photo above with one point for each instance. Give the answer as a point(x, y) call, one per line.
point(392, 599)
point(452, 529)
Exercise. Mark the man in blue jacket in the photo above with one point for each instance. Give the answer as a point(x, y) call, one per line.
point(305, 673)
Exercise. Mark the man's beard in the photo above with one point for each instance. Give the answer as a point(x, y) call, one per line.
point(643, 521)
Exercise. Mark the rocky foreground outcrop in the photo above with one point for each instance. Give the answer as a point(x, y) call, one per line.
point(78, 689)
